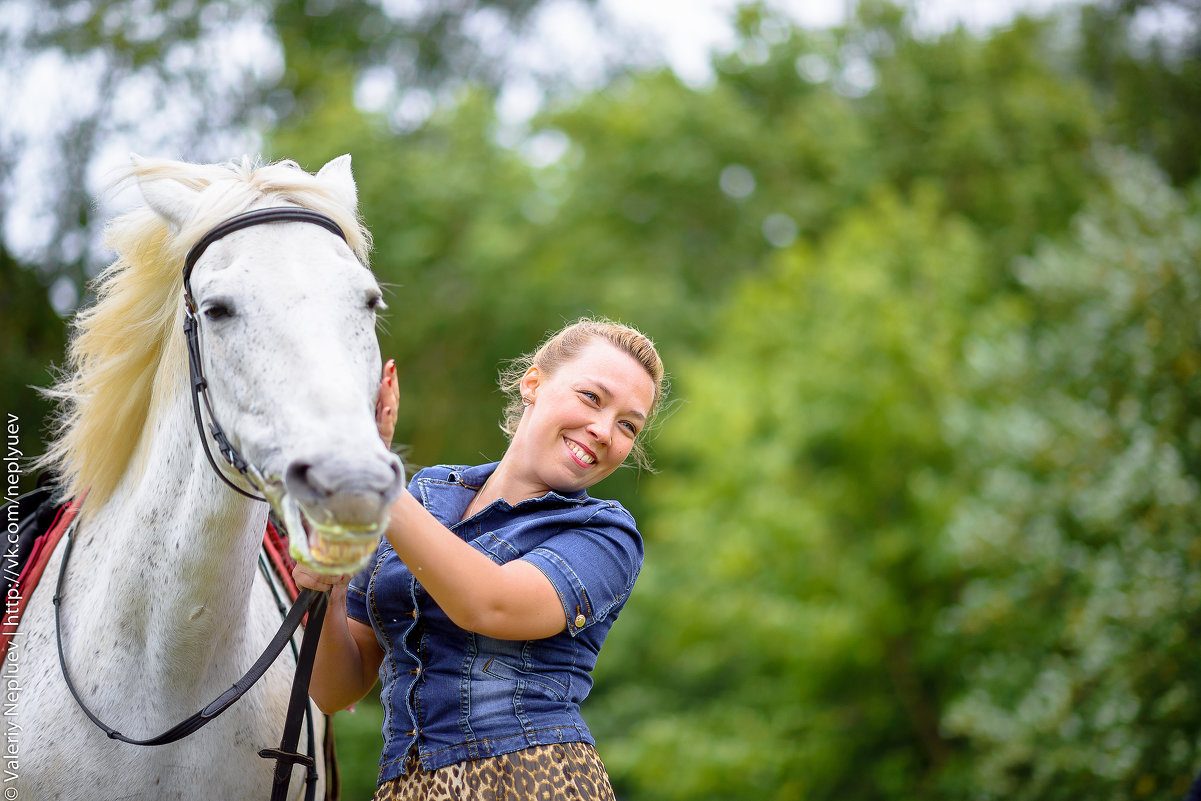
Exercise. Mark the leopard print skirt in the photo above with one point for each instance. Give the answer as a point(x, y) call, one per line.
point(560, 772)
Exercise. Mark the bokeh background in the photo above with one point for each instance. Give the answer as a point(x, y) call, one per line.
point(925, 521)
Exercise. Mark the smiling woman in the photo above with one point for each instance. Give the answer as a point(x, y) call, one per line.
point(564, 347)
point(487, 604)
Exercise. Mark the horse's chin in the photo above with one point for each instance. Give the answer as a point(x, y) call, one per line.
point(328, 547)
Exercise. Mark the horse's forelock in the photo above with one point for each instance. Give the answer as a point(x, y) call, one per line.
point(287, 181)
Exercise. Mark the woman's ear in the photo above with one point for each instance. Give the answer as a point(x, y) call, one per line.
point(529, 384)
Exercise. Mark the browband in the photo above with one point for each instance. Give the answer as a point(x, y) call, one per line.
point(246, 220)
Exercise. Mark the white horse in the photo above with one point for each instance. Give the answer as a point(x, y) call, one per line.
point(163, 606)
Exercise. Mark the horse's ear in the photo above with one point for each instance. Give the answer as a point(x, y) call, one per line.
point(337, 176)
point(170, 198)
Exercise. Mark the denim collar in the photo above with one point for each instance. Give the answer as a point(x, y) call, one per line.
point(467, 482)
point(473, 478)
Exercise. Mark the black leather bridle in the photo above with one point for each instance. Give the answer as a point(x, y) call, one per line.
point(309, 601)
point(191, 329)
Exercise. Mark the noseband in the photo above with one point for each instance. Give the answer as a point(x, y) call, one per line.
point(191, 329)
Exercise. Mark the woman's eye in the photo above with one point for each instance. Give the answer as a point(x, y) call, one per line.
point(633, 429)
point(592, 396)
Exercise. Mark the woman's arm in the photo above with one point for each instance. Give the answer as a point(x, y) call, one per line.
point(348, 656)
point(513, 601)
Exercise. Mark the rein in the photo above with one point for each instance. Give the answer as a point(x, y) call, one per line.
point(309, 601)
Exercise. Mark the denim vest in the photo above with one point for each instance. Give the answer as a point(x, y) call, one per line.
point(458, 695)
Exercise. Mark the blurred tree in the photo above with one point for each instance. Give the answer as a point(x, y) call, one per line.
point(791, 581)
point(198, 78)
point(995, 123)
point(1077, 626)
point(430, 46)
point(109, 69)
point(1144, 59)
point(647, 200)
point(30, 331)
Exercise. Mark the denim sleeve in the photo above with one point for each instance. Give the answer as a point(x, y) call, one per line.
point(592, 567)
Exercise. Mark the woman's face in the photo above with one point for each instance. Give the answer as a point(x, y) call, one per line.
point(583, 418)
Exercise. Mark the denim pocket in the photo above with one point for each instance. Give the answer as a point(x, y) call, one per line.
point(546, 685)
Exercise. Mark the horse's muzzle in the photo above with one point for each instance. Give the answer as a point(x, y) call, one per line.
point(342, 508)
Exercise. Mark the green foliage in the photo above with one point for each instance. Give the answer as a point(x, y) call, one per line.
point(193, 78)
point(426, 45)
point(994, 153)
point(807, 554)
point(1078, 537)
point(489, 247)
point(33, 338)
point(358, 741)
point(1149, 87)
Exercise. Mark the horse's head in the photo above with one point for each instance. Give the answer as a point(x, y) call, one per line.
point(286, 313)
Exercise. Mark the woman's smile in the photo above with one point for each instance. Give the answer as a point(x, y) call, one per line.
point(583, 456)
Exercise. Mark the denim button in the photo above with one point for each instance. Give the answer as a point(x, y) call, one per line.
point(580, 620)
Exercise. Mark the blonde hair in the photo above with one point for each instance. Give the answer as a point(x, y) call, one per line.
point(127, 358)
point(563, 346)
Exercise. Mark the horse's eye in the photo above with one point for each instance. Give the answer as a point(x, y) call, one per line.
point(375, 302)
point(218, 310)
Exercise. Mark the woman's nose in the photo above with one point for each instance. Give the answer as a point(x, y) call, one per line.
point(600, 430)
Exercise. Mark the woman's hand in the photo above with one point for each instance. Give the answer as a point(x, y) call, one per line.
point(387, 402)
point(306, 578)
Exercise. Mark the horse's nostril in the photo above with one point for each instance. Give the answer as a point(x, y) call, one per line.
point(298, 480)
point(349, 491)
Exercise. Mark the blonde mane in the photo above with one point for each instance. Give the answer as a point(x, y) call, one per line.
point(127, 356)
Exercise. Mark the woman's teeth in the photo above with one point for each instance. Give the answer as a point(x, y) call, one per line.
point(580, 453)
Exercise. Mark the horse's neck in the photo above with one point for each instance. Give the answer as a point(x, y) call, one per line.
point(176, 550)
